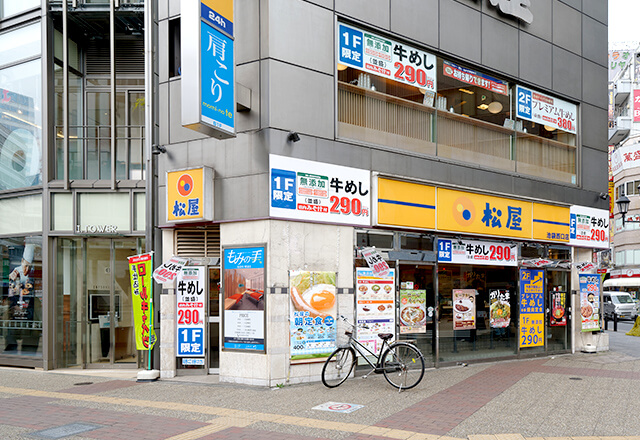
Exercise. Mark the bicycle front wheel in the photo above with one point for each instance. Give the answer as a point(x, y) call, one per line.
point(403, 365)
point(338, 366)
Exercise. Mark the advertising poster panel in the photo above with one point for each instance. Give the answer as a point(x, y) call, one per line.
point(477, 252)
point(315, 191)
point(375, 299)
point(532, 283)
point(499, 308)
point(243, 283)
point(191, 297)
point(558, 305)
point(464, 309)
point(375, 261)
point(546, 110)
point(313, 311)
point(590, 301)
point(168, 270)
point(589, 227)
point(140, 268)
point(413, 313)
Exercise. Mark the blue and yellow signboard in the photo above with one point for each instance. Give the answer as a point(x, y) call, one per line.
point(406, 204)
point(190, 195)
point(415, 205)
point(219, 13)
point(532, 283)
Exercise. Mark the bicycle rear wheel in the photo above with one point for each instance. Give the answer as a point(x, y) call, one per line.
point(403, 365)
point(338, 366)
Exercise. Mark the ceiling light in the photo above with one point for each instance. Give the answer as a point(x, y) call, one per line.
point(423, 91)
point(549, 128)
point(495, 107)
point(483, 106)
point(468, 92)
point(342, 67)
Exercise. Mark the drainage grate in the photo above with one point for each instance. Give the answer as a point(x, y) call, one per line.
point(84, 383)
point(65, 430)
point(575, 378)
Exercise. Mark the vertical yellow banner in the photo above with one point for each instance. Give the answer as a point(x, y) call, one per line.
point(141, 268)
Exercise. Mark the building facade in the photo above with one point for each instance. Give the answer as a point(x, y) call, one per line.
point(472, 161)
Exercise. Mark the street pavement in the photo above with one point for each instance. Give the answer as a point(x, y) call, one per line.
point(580, 396)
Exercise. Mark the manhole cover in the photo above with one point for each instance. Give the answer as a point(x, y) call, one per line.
point(65, 430)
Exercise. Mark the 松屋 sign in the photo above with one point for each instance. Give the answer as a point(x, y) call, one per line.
point(519, 8)
point(208, 67)
point(190, 195)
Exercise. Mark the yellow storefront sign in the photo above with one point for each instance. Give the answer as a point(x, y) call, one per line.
point(406, 204)
point(190, 195)
point(550, 223)
point(466, 212)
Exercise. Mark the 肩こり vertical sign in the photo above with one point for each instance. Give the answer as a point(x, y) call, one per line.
point(208, 67)
point(315, 191)
point(590, 302)
point(191, 297)
point(532, 283)
point(140, 268)
point(244, 298)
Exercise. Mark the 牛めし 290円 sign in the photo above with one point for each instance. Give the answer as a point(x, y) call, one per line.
point(316, 191)
point(190, 195)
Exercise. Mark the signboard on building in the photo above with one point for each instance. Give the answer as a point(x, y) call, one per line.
point(168, 270)
point(315, 191)
point(636, 105)
point(190, 195)
point(532, 283)
point(625, 158)
point(375, 261)
point(244, 298)
point(546, 110)
point(191, 297)
point(381, 56)
point(208, 67)
point(477, 252)
point(589, 227)
point(375, 306)
point(475, 78)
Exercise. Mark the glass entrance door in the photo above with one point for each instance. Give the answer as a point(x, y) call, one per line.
point(110, 334)
point(214, 320)
point(417, 308)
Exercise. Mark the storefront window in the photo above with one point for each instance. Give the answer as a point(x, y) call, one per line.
point(491, 331)
point(21, 305)
point(20, 126)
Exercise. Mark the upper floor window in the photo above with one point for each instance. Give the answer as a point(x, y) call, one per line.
point(13, 7)
point(397, 95)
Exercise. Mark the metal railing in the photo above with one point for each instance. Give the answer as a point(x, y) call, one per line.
point(90, 152)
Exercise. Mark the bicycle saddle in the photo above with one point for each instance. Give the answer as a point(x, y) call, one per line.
point(385, 336)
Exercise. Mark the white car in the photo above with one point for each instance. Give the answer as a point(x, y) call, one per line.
point(619, 303)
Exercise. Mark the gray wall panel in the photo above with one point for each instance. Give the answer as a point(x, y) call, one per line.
point(247, 31)
point(296, 28)
point(542, 23)
point(177, 133)
point(174, 8)
point(594, 40)
point(251, 191)
point(567, 27)
point(163, 114)
point(408, 19)
point(324, 3)
point(301, 100)
point(594, 84)
point(375, 12)
point(499, 46)
point(576, 4)
point(460, 30)
point(163, 9)
point(596, 9)
point(342, 153)
point(535, 60)
point(567, 73)
point(594, 127)
point(163, 55)
point(598, 175)
point(249, 76)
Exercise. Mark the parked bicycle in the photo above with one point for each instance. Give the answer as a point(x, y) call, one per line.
point(401, 362)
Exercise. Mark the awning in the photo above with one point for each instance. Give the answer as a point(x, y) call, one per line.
point(622, 282)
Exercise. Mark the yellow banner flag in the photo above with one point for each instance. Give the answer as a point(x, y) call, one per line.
point(141, 268)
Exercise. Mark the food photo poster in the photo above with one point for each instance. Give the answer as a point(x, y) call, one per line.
point(590, 302)
point(464, 309)
point(313, 312)
point(375, 298)
point(413, 313)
